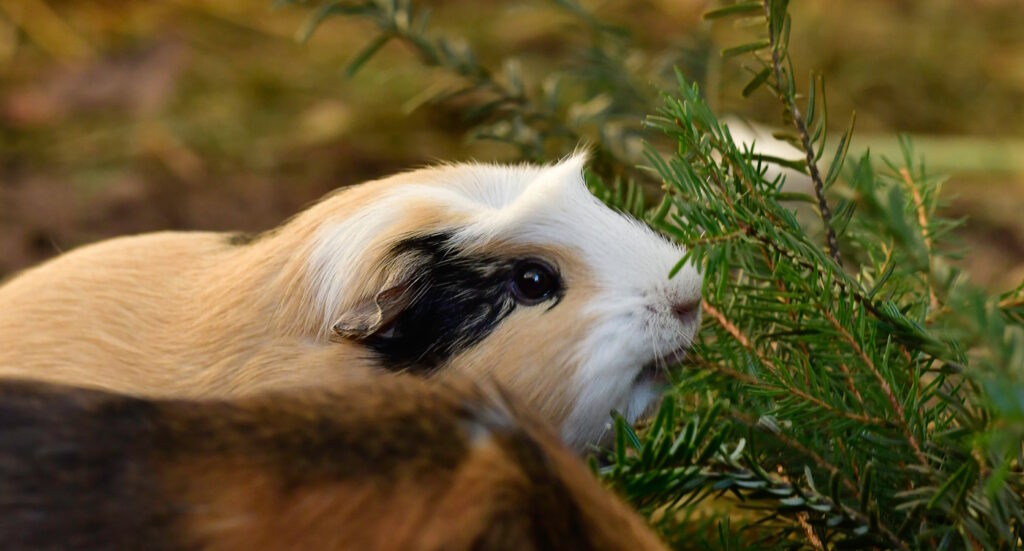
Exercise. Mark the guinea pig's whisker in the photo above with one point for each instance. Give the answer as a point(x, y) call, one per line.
point(650, 337)
point(654, 346)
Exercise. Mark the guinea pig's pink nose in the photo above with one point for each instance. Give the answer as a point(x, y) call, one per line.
point(686, 310)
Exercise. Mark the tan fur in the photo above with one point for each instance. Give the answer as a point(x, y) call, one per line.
point(527, 356)
point(146, 314)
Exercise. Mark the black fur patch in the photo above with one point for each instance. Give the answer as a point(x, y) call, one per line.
point(75, 471)
point(459, 300)
point(238, 239)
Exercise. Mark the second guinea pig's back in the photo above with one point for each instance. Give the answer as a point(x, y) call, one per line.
point(399, 463)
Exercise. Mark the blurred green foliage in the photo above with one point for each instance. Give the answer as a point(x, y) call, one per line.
point(120, 116)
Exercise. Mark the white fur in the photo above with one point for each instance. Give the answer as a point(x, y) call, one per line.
point(339, 256)
point(635, 296)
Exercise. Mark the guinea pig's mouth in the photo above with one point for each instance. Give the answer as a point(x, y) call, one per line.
point(656, 370)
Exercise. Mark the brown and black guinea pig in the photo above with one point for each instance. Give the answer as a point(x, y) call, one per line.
point(513, 272)
point(396, 463)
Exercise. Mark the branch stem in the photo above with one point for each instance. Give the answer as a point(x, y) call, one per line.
point(788, 97)
point(922, 219)
point(894, 403)
point(738, 335)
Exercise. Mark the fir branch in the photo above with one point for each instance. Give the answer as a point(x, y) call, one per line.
point(699, 459)
point(726, 371)
point(894, 403)
point(885, 533)
point(735, 332)
point(813, 538)
point(922, 220)
point(796, 446)
point(805, 139)
point(890, 538)
point(843, 285)
point(756, 259)
point(781, 286)
point(502, 106)
point(851, 386)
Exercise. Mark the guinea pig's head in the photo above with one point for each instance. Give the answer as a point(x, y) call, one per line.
point(512, 272)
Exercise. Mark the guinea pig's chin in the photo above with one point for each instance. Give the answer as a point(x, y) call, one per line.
point(639, 400)
point(642, 398)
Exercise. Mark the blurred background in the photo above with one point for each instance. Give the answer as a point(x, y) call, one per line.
point(121, 117)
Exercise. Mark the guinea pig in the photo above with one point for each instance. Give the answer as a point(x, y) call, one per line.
point(513, 272)
point(399, 463)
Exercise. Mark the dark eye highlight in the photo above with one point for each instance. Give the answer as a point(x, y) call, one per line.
point(534, 281)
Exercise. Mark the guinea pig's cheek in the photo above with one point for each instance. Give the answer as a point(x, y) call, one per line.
point(616, 349)
point(535, 354)
point(612, 355)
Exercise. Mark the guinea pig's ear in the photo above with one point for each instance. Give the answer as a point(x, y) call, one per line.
point(375, 316)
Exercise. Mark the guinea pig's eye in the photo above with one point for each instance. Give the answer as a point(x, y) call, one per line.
point(534, 281)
